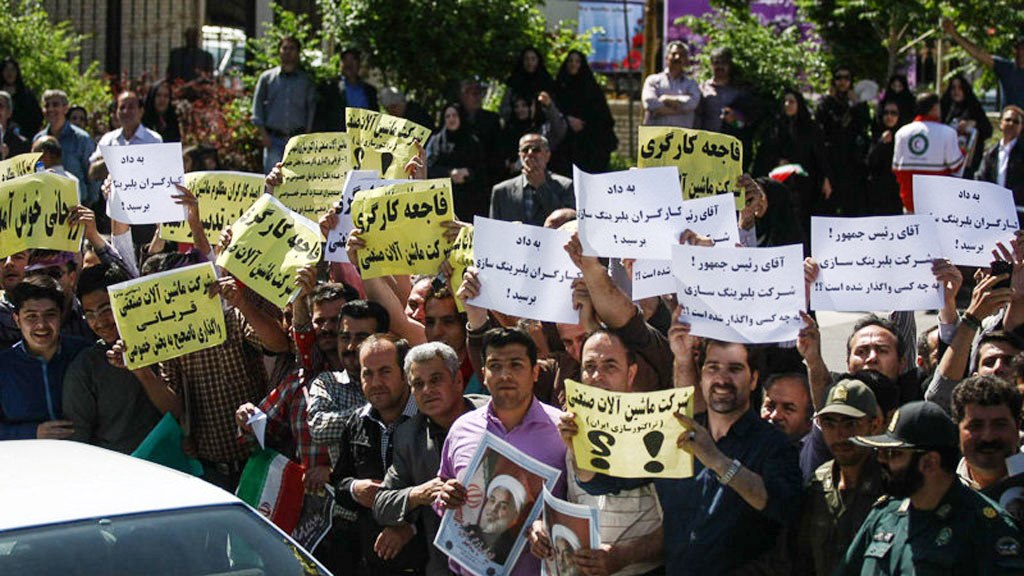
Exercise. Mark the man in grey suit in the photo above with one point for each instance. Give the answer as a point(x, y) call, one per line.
point(536, 193)
point(411, 483)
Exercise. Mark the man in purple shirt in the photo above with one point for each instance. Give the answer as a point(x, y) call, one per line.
point(512, 414)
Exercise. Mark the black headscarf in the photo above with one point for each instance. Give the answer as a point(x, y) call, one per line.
point(165, 124)
point(529, 84)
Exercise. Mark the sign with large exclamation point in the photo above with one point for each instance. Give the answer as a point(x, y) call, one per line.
point(630, 434)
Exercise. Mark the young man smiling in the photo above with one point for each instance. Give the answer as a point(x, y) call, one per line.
point(32, 371)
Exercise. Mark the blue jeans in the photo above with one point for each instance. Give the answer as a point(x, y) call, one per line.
point(274, 154)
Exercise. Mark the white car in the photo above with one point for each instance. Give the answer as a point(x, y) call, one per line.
point(68, 508)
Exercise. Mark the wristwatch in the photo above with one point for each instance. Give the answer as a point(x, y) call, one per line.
point(731, 472)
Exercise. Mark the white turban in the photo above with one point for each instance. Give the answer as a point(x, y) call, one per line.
point(514, 487)
point(558, 531)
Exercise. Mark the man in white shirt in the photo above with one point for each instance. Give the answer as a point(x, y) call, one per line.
point(670, 97)
point(129, 114)
point(1004, 162)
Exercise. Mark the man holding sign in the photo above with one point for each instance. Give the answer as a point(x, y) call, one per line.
point(747, 482)
point(630, 520)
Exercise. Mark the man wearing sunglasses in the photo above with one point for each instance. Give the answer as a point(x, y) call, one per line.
point(532, 196)
point(929, 523)
point(1003, 163)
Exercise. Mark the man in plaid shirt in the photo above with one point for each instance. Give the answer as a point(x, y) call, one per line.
point(286, 405)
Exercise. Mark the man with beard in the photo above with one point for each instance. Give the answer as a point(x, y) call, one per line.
point(411, 484)
point(746, 484)
point(842, 490)
point(986, 410)
point(365, 452)
point(495, 531)
point(929, 523)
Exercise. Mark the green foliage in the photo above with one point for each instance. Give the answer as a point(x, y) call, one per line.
point(426, 47)
point(766, 59)
point(992, 25)
point(263, 52)
point(48, 54)
point(850, 38)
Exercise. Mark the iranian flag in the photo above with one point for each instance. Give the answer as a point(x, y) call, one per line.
point(272, 484)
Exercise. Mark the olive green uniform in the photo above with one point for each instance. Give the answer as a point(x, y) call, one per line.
point(967, 533)
point(831, 517)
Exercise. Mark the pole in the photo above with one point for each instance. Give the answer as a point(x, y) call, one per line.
point(629, 77)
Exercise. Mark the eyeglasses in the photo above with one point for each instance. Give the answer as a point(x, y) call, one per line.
point(531, 150)
point(1011, 121)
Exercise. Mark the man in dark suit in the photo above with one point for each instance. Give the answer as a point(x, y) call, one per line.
point(536, 193)
point(350, 91)
point(1004, 162)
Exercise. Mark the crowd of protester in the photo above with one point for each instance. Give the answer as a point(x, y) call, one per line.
point(893, 463)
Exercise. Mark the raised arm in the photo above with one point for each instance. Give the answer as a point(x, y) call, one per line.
point(976, 52)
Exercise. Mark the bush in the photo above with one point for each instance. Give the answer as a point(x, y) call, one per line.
point(48, 54)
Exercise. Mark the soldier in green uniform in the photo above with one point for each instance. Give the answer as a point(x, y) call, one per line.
point(928, 522)
point(840, 494)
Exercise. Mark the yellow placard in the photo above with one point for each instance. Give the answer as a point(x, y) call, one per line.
point(166, 315)
point(374, 134)
point(460, 257)
point(630, 434)
point(269, 244)
point(709, 163)
point(19, 165)
point(315, 167)
point(34, 212)
point(222, 196)
point(401, 225)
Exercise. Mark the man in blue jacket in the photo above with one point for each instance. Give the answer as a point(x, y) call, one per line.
point(32, 371)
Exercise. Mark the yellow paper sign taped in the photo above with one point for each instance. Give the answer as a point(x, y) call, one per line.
point(166, 315)
point(709, 163)
point(402, 228)
point(460, 257)
point(374, 134)
point(630, 434)
point(269, 244)
point(34, 212)
point(20, 165)
point(315, 167)
point(222, 196)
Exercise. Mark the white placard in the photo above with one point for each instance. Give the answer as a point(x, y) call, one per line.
point(143, 178)
point(356, 181)
point(629, 214)
point(713, 216)
point(971, 216)
point(524, 270)
point(877, 263)
point(750, 295)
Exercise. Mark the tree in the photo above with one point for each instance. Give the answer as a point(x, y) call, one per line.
point(48, 54)
point(765, 58)
point(426, 47)
point(858, 29)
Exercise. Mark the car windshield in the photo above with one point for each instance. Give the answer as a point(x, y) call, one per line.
point(212, 541)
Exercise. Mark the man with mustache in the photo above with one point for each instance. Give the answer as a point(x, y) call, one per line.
point(746, 485)
point(987, 413)
point(929, 523)
point(365, 453)
point(411, 484)
point(842, 490)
